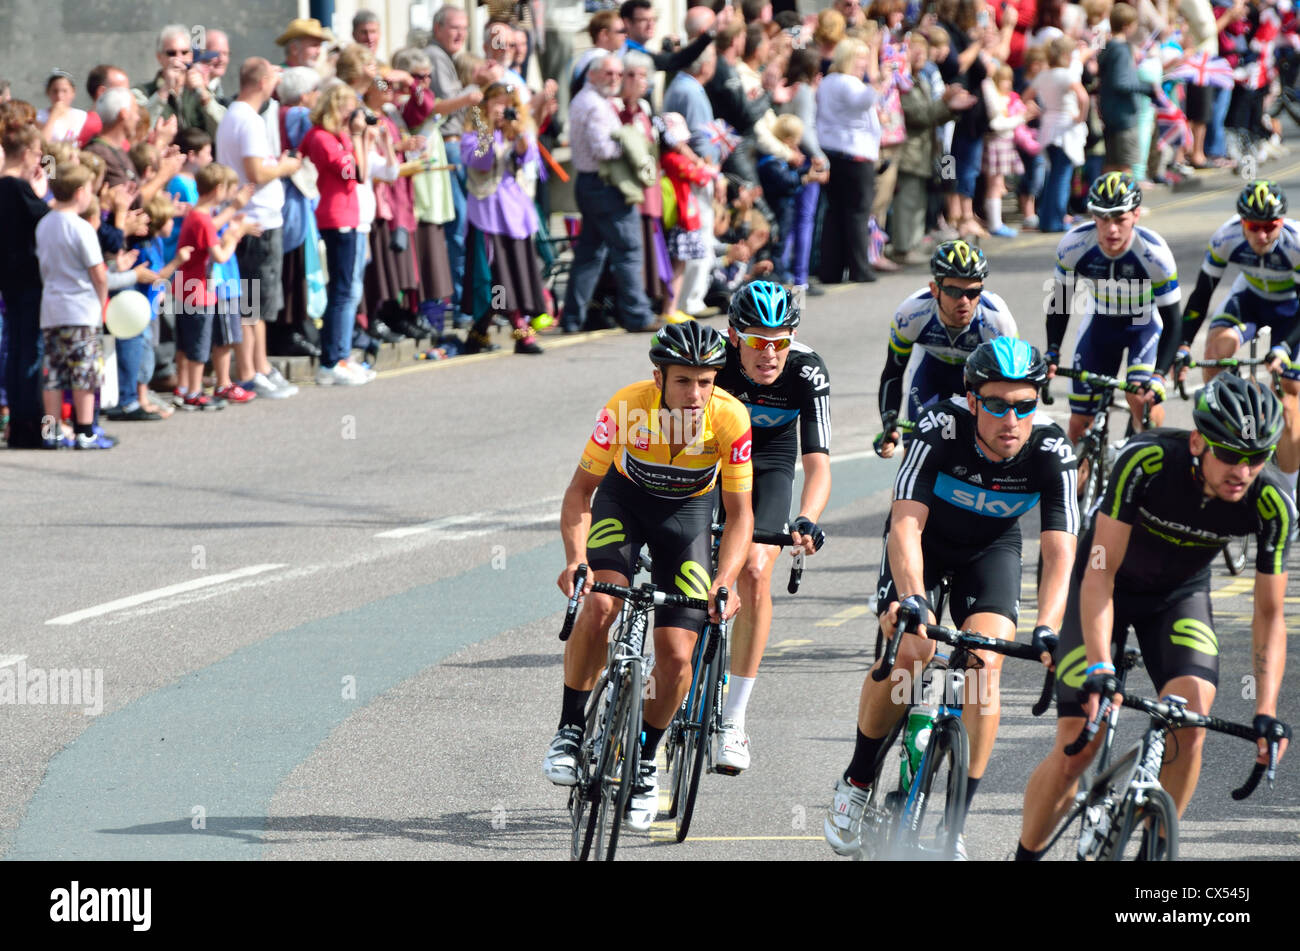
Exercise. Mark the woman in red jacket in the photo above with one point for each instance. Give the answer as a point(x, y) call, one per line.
point(689, 174)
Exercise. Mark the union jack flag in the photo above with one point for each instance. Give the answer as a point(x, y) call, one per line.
point(876, 241)
point(1202, 69)
point(1171, 122)
point(893, 59)
point(723, 136)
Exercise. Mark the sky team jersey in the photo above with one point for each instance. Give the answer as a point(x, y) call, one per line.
point(917, 324)
point(1177, 531)
point(801, 394)
point(1143, 277)
point(1271, 275)
point(630, 433)
point(973, 500)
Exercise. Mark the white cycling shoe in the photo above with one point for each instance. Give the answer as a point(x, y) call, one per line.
point(843, 824)
point(733, 748)
point(561, 763)
point(643, 804)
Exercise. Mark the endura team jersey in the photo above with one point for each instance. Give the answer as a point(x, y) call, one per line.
point(972, 499)
point(1143, 277)
point(800, 396)
point(631, 433)
point(1178, 530)
point(1271, 275)
point(917, 324)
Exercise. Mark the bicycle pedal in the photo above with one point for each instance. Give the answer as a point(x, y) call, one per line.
point(727, 770)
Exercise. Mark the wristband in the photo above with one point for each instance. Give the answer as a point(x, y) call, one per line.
point(1109, 668)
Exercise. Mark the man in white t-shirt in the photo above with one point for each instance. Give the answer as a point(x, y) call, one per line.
point(245, 144)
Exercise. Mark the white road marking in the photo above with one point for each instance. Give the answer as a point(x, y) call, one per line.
point(460, 527)
point(158, 593)
point(8, 660)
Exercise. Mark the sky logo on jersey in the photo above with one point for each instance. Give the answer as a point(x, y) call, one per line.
point(767, 417)
point(983, 501)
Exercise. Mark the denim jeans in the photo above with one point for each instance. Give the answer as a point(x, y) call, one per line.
point(1056, 191)
point(455, 229)
point(342, 294)
point(1216, 139)
point(796, 250)
point(130, 353)
point(610, 228)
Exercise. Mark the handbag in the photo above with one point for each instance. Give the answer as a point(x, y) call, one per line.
point(314, 266)
point(1025, 138)
point(670, 203)
point(893, 129)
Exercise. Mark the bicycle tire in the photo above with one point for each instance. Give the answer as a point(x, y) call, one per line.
point(948, 759)
point(678, 745)
point(877, 841)
point(619, 762)
point(1092, 486)
point(1236, 553)
point(1159, 808)
point(586, 790)
point(706, 693)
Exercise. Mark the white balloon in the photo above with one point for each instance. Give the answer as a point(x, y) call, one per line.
point(128, 314)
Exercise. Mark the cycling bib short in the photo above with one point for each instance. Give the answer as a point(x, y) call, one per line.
point(1246, 313)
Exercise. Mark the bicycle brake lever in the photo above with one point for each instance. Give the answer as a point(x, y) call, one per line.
point(796, 573)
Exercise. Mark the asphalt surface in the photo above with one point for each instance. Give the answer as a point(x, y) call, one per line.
point(355, 656)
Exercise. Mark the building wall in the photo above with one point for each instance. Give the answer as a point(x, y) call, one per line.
point(38, 35)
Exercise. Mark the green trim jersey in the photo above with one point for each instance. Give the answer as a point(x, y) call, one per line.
point(1156, 487)
point(1130, 285)
point(1271, 275)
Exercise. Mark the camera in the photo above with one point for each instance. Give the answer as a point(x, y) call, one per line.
point(510, 113)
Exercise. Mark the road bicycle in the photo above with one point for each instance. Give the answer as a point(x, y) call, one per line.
point(1126, 797)
point(691, 738)
point(1236, 552)
point(1094, 450)
point(922, 815)
point(609, 756)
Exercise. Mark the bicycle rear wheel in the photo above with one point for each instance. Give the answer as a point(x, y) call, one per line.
point(1092, 482)
point(699, 722)
point(1147, 833)
point(618, 762)
point(1236, 553)
point(935, 811)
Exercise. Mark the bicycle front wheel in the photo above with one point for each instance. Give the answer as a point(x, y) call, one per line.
point(586, 791)
point(1236, 553)
point(935, 811)
point(618, 764)
point(699, 722)
point(1147, 833)
point(1092, 481)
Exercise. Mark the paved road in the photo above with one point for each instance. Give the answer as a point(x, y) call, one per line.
point(326, 628)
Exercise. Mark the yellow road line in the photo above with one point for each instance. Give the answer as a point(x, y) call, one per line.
point(848, 614)
point(1235, 587)
point(550, 343)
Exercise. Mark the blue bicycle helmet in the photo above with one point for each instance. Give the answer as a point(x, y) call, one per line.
point(1005, 358)
point(763, 304)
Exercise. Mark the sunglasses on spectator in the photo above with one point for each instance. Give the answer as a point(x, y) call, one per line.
point(1261, 226)
point(759, 342)
point(176, 52)
point(1235, 457)
point(421, 77)
point(997, 407)
point(970, 293)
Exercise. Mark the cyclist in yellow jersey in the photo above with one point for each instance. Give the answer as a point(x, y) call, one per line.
point(657, 451)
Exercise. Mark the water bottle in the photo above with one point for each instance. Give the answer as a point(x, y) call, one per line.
point(916, 737)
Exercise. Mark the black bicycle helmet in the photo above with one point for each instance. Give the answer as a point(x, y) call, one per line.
point(1232, 412)
point(1005, 358)
point(959, 259)
point(763, 304)
point(1114, 193)
point(689, 344)
point(1261, 200)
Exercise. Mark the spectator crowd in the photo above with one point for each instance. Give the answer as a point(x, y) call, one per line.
point(333, 202)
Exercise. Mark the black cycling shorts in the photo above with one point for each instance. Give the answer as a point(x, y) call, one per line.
point(1175, 632)
point(624, 518)
point(773, 464)
point(984, 581)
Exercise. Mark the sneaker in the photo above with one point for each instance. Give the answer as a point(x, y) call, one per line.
point(1003, 231)
point(234, 393)
point(338, 375)
point(843, 824)
point(95, 441)
point(203, 402)
point(264, 388)
point(279, 382)
point(360, 370)
point(180, 402)
point(643, 805)
point(561, 763)
point(1030, 223)
point(961, 855)
point(733, 747)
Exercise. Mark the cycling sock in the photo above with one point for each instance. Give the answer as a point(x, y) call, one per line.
point(862, 770)
point(737, 699)
point(1028, 855)
point(972, 784)
point(573, 712)
point(1291, 478)
point(650, 742)
point(994, 217)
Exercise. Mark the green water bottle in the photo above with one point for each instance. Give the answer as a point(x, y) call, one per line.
point(916, 736)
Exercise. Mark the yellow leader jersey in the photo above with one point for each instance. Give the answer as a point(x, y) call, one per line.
point(634, 432)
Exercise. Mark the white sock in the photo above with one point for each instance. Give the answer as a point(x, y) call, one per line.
point(1291, 481)
point(738, 689)
point(994, 216)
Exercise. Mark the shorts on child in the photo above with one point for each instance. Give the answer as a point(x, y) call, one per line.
point(227, 329)
point(74, 358)
point(194, 333)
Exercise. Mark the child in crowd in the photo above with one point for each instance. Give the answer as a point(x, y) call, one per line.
point(782, 185)
point(1000, 155)
point(686, 242)
point(1035, 163)
point(196, 145)
point(227, 324)
point(75, 293)
point(196, 294)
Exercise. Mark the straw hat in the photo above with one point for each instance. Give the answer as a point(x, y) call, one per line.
point(304, 28)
